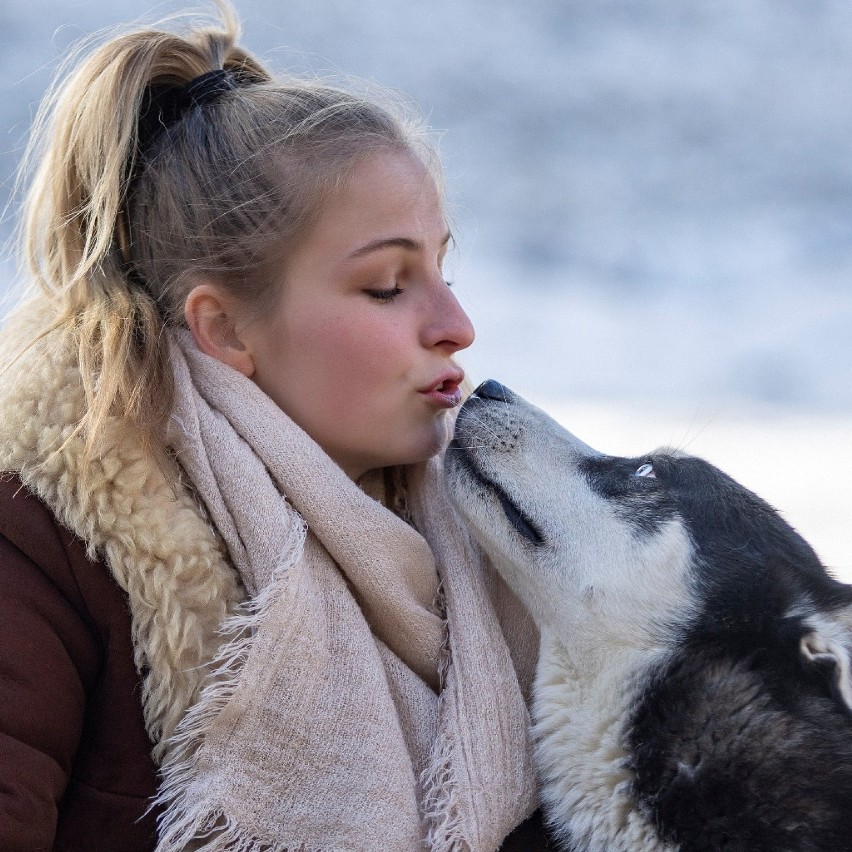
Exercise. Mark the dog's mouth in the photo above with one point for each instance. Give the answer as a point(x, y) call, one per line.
point(521, 523)
point(517, 518)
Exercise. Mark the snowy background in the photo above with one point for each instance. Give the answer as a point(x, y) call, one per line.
point(653, 204)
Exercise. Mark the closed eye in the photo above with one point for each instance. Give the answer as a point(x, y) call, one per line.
point(384, 295)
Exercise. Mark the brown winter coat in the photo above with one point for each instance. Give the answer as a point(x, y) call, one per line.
point(75, 765)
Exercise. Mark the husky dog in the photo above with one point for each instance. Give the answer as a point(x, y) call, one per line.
point(694, 687)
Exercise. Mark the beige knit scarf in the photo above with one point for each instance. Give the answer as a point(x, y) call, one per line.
point(368, 699)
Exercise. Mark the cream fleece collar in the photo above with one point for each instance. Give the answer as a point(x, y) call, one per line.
point(151, 533)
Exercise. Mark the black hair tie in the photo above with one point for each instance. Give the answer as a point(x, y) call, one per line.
point(209, 86)
point(164, 105)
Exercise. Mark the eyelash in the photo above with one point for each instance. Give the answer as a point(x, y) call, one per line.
point(390, 294)
point(384, 295)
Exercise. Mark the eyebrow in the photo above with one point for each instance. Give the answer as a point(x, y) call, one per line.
point(394, 242)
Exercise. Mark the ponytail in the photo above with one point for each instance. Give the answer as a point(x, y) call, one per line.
point(75, 230)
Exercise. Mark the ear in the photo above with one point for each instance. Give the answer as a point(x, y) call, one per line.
point(212, 316)
point(828, 646)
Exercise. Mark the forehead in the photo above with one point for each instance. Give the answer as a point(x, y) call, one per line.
point(388, 193)
point(728, 523)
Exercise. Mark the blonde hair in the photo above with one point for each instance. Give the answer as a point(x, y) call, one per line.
point(117, 228)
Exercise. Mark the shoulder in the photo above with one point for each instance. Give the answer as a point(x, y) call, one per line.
point(73, 738)
point(48, 560)
point(37, 577)
point(22, 513)
point(51, 586)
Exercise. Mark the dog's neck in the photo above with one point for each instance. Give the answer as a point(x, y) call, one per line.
point(581, 710)
point(591, 643)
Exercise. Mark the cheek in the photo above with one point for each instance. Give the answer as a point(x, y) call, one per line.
point(357, 356)
point(343, 359)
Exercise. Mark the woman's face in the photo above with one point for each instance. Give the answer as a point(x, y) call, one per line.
point(359, 347)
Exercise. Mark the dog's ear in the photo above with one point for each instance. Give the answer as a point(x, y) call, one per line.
point(828, 646)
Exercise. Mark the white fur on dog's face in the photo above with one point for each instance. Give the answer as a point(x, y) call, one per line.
point(587, 566)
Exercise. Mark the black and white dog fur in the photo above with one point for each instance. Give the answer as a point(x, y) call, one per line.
point(694, 688)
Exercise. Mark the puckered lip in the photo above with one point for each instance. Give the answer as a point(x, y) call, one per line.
point(447, 381)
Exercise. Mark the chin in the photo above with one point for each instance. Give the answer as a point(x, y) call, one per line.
point(424, 442)
point(435, 444)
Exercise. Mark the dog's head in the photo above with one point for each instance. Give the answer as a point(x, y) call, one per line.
point(636, 551)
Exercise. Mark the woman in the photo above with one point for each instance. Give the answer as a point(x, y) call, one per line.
point(230, 583)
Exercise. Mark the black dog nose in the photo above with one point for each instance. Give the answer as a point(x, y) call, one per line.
point(491, 389)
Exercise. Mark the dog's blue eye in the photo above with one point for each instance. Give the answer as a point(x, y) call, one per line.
point(646, 469)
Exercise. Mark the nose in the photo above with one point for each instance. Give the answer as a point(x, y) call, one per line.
point(491, 389)
point(449, 327)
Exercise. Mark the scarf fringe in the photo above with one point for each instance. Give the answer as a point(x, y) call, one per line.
point(441, 802)
point(186, 821)
point(218, 833)
point(441, 810)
